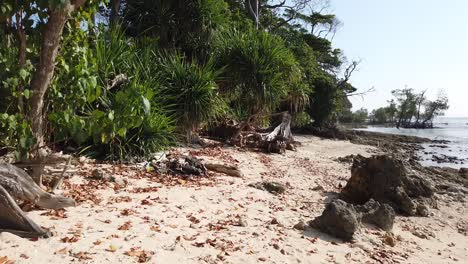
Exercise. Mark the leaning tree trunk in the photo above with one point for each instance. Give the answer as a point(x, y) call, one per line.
point(17, 184)
point(44, 74)
point(114, 15)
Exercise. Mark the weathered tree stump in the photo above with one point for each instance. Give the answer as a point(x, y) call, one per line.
point(277, 141)
point(16, 184)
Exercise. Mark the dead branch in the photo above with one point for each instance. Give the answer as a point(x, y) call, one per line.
point(226, 169)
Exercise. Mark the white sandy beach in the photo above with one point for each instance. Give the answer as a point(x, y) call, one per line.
point(222, 220)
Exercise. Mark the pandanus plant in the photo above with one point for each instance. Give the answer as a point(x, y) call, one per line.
point(259, 70)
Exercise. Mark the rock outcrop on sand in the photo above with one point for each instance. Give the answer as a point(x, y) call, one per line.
point(379, 214)
point(342, 219)
point(339, 219)
point(386, 180)
point(379, 186)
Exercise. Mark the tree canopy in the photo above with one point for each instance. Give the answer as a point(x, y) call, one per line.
point(119, 79)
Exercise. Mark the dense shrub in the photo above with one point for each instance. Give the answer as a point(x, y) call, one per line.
point(258, 69)
point(189, 91)
point(118, 123)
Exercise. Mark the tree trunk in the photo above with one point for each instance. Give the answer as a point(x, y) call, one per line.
point(253, 8)
point(44, 74)
point(21, 54)
point(114, 15)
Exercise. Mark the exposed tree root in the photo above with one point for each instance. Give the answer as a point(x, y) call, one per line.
point(17, 184)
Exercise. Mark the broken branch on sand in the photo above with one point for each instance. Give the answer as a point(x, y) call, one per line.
point(16, 184)
point(226, 169)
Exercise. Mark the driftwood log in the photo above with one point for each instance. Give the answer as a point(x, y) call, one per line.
point(244, 135)
point(16, 184)
point(277, 141)
point(14, 220)
point(226, 169)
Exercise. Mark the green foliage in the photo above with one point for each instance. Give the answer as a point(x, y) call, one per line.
point(189, 91)
point(324, 101)
point(301, 120)
point(384, 115)
point(360, 116)
point(16, 134)
point(181, 64)
point(411, 109)
point(186, 25)
point(259, 69)
point(120, 123)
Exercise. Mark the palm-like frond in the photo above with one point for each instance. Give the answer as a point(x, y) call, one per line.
point(189, 90)
point(258, 66)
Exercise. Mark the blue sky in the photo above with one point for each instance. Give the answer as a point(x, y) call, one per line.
point(419, 43)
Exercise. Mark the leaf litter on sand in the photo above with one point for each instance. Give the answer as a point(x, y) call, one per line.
point(5, 260)
point(216, 152)
point(56, 214)
point(126, 226)
point(141, 255)
point(82, 255)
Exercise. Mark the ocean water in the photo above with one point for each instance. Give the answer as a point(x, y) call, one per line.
point(454, 129)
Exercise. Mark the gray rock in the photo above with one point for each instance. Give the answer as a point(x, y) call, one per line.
point(272, 187)
point(300, 226)
point(117, 180)
point(422, 210)
point(97, 175)
point(339, 219)
point(380, 215)
point(463, 173)
point(385, 179)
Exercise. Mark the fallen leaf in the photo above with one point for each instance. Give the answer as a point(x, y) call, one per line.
point(72, 239)
point(5, 260)
point(62, 251)
point(198, 244)
point(82, 255)
point(155, 228)
point(113, 236)
point(146, 202)
point(192, 238)
point(111, 248)
point(193, 219)
point(142, 255)
point(126, 226)
point(348, 256)
point(56, 214)
point(127, 212)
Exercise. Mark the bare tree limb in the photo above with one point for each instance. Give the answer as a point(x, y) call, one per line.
point(275, 6)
